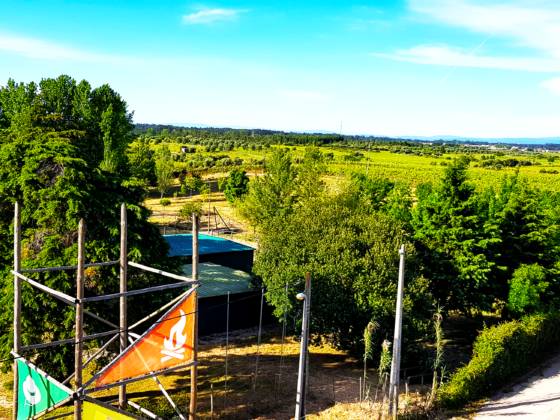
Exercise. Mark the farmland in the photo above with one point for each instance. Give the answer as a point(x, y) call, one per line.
point(408, 168)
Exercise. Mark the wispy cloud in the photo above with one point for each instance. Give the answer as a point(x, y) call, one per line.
point(553, 85)
point(37, 48)
point(209, 16)
point(448, 56)
point(304, 95)
point(529, 24)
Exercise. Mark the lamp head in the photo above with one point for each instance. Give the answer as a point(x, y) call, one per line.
point(300, 296)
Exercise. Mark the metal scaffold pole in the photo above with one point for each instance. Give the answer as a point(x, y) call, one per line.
point(122, 299)
point(79, 319)
point(301, 383)
point(194, 372)
point(17, 299)
point(396, 362)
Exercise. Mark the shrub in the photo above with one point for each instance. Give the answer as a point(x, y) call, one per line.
point(188, 209)
point(501, 353)
point(526, 287)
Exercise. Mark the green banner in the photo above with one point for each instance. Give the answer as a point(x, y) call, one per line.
point(37, 391)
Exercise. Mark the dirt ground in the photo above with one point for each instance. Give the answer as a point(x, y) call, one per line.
point(334, 385)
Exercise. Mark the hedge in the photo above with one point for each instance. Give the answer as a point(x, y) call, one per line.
point(501, 353)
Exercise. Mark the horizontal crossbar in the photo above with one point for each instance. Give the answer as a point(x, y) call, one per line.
point(68, 267)
point(62, 296)
point(139, 378)
point(155, 270)
point(70, 340)
point(141, 291)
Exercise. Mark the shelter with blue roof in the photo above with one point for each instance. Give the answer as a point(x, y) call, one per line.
point(213, 249)
point(224, 269)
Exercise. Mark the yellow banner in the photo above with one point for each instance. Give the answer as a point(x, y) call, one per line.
point(95, 412)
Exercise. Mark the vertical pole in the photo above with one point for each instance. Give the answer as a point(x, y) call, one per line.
point(308, 294)
point(79, 319)
point(396, 362)
point(194, 372)
point(123, 309)
point(300, 396)
point(283, 339)
point(258, 349)
point(212, 400)
point(209, 190)
point(227, 348)
point(17, 299)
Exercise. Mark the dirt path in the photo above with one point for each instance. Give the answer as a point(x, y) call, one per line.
point(536, 398)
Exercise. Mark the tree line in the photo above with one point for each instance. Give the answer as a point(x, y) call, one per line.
point(493, 250)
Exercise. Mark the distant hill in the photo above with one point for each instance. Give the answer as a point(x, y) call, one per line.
point(518, 140)
point(446, 138)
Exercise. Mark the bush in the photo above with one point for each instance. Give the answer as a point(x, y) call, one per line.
point(526, 287)
point(501, 353)
point(188, 209)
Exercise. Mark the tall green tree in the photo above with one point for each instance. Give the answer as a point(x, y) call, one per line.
point(353, 256)
point(273, 194)
point(97, 119)
point(41, 166)
point(164, 170)
point(237, 185)
point(142, 162)
point(453, 240)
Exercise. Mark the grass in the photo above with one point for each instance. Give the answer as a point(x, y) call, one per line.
point(411, 169)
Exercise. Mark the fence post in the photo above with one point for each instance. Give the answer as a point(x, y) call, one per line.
point(194, 372)
point(122, 299)
point(396, 362)
point(79, 319)
point(17, 299)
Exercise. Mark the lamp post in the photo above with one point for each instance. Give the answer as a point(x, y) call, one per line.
point(301, 388)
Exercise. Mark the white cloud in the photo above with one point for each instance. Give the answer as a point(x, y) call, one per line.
point(304, 95)
point(529, 24)
point(447, 56)
point(209, 16)
point(36, 48)
point(553, 85)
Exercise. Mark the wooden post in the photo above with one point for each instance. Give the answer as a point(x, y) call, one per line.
point(194, 372)
point(79, 319)
point(396, 362)
point(209, 190)
point(17, 299)
point(300, 395)
point(123, 320)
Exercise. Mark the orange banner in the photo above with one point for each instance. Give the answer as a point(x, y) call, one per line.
point(168, 343)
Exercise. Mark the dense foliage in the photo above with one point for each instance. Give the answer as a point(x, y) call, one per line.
point(96, 120)
point(476, 249)
point(353, 257)
point(236, 185)
point(44, 167)
point(501, 353)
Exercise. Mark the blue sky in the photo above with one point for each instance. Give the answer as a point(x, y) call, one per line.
point(473, 68)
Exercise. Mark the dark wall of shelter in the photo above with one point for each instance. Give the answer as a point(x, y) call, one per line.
point(244, 312)
point(238, 260)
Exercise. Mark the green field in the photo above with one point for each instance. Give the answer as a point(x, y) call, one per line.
point(411, 169)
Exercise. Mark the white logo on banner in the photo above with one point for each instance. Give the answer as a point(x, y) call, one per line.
point(175, 350)
point(32, 393)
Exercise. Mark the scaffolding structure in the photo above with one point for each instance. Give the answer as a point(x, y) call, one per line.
point(121, 331)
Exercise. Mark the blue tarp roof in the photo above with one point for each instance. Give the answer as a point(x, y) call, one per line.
point(182, 245)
